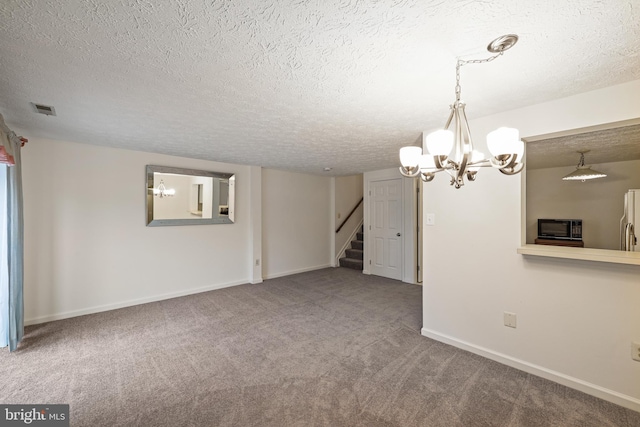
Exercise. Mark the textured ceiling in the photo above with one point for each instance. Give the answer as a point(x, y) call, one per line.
point(605, 146)
point(294, 84)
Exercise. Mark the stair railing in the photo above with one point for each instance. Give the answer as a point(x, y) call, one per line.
point(347, 244)
point(344, 221)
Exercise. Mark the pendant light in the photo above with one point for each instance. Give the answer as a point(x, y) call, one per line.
point(583, 172)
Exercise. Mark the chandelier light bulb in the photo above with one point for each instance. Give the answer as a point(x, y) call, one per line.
point(440, 142)
point(410, 156)
point(504, 141)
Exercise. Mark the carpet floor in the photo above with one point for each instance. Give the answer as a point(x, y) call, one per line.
point(331, 347)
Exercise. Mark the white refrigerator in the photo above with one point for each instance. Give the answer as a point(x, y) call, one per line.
point(630, 221)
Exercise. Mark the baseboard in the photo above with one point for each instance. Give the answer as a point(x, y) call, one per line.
point(138, 301)
point(566, 380)
point(301, 270)
point(129, 303)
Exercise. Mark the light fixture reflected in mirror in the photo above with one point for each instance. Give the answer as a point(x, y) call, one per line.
point(179, 196)
point(583, 172)
point(162, 191)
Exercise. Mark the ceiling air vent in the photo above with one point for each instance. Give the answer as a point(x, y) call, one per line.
point(44, 109)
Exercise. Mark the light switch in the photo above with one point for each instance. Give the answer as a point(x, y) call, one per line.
point(431, 219)
point(509, 319)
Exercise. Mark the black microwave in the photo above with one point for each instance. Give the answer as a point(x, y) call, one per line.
point(560, 229)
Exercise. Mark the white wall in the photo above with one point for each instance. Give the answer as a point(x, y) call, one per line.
point(297, 213)
point(255, 223)
point(86, 244)
point(575, 319)
point(598, 202)
point(348, 192)
point(87, 248)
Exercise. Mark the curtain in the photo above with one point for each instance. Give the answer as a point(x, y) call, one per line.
point(4, 260)
point(11, 242)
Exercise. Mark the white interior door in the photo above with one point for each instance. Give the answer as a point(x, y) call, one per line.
point(386, 215)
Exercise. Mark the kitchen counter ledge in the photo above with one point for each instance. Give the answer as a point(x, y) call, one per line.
point(585, 254)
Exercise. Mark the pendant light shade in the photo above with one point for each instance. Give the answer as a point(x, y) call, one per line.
point(582, 173)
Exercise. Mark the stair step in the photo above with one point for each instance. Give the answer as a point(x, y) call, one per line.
point(354, 257)
point(355, 264)
point(355, 254)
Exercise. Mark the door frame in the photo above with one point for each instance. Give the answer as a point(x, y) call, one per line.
point(409, 222)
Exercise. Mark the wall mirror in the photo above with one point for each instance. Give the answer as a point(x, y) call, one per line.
point(614, 149)
point(178, 196)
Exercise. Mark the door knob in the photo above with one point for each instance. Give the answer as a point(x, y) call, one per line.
point(398, 234)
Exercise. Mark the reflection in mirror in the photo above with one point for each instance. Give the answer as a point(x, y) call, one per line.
point(599, 203)
point(177, 196)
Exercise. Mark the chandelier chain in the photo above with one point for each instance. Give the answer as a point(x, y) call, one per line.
point(462, 62)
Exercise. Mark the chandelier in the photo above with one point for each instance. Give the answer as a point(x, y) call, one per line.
point(582, 172)
point(163, 191)
point(504, 144)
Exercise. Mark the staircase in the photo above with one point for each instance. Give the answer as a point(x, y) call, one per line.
point(354, 256)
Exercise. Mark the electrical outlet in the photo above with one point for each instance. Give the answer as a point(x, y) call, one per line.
point(509, 319)
point(635, 351)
